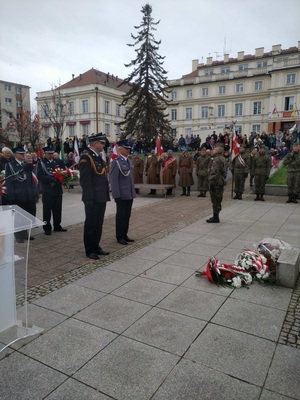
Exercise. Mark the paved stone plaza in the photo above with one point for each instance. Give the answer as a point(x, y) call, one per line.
point(139, 324)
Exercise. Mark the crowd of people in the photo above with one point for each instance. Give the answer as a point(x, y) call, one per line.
point(27, 176)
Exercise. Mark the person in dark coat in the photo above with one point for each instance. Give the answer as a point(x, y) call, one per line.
point(52, 192)
point(152, 170)
point(122, 187)
point(185, 171)
point(95, 195)
point(169, 171)
point(21, 186)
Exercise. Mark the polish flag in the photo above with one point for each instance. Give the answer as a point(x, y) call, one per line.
point(158, 147)
point(76, 153)
point(115, 152)
point(235, 145)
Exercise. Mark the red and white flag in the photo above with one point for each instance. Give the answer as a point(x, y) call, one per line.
point(158, 147)
point(115, 152)
point(273, 112)
point(76, 153)
point(235, 145)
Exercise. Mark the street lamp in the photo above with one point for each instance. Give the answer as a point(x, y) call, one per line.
point(96, 90)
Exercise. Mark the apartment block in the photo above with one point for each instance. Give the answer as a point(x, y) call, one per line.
point(259, 92)
point(14, 99)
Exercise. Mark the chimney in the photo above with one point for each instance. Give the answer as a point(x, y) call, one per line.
point(240, 55)
point(226, 58)
point(276, 49)
point(80, 76)
point(259, 52)
point(209, 60)
point(195, 64)
point(298, 45)
point(73, 76)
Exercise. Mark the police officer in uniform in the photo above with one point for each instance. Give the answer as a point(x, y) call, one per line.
point(51, 191)
point(122, 187)
point(95, 195)
point(216, 173)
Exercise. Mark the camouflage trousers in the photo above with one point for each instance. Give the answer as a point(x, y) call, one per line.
point(293, 183)
point(202, 183)
point(260, 182)
point(239, 182)
point(216, 196)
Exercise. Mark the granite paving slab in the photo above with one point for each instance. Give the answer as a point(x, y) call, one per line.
point(169, 244)
point(201, 249)
point(74, 390)
point(216, 240)
point(70, 299)
point(75, 342)
point(156, 328)
point(149, 253)
point(187, 260)
point(163, 272)
point(32, 380)
point(131, 265)
point(193, 303)
point(184, 236)
point(127, 370)
point(104, 280)
point(202, 283)
point(113, 313)
point(284, 373)
point(268, 395)
point(190, 381)
point(234, 353)
point(144, 290)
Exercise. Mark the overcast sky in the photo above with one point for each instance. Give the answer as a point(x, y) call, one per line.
point(44, 42)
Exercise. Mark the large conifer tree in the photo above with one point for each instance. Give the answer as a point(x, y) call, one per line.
point(146, 101)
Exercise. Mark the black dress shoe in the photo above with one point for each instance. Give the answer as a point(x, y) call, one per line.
point(60, 229)
point(31, 238)
point(102, 252)
point(93, 256)
point(48, 233)
point(19, 240)
point(128, 239)
point(122, 241)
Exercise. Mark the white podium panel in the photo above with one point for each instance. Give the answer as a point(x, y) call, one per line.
point(13, 219)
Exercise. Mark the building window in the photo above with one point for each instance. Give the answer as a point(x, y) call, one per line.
point(222, 90)
point(262, 64)
point(221, 110)
point(174, 95)
point(188, 113)
point(85, 129)
point(106, 107)
point(204, 112)
point(8, 102)
point(188, 131)
point(205, 91)
point(238, 109)
point(7, 88)
point(225, 70)
point(85, 106)
point(239, 87)
point(258, 85)
point(290, 79)
point(18, 90)
point(58, 109)
point(243, 67)
point(173, 114)
point(256, 128)
point(19, 103)
point(45, 108)
point(289, 103)
point(46, 131)
point(71, 107)
point(208, 72)
point(107, 129)
point(71, 130)
point(238, 128)
point(257, 108)
point(189, 93)
point(118, 110)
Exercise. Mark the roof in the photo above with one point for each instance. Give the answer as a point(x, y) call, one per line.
point(95, 77)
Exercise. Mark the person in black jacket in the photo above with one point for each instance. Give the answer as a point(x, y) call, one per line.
point(52, 191)
point(21, 186)
point(95, 195)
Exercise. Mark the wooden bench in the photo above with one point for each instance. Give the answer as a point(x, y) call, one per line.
point(150, 186)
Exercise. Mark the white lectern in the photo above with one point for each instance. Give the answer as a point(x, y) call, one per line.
point(13, 219)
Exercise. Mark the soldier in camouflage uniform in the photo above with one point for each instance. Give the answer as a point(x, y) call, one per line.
point(240, 169)
point(216, 173)
point(261, 171)
point(202, 164)
point(292, 161)
point(185, 172)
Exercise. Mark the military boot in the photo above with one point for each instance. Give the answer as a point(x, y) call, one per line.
point(236, 196)
point(214, 218)
point(290, 199)
point(204, 194)
point(257, 197)
point(183, 191)
point(262, 197)
point(188, 193)
point(294, 199)
point(200, 194)
point(240, 196)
